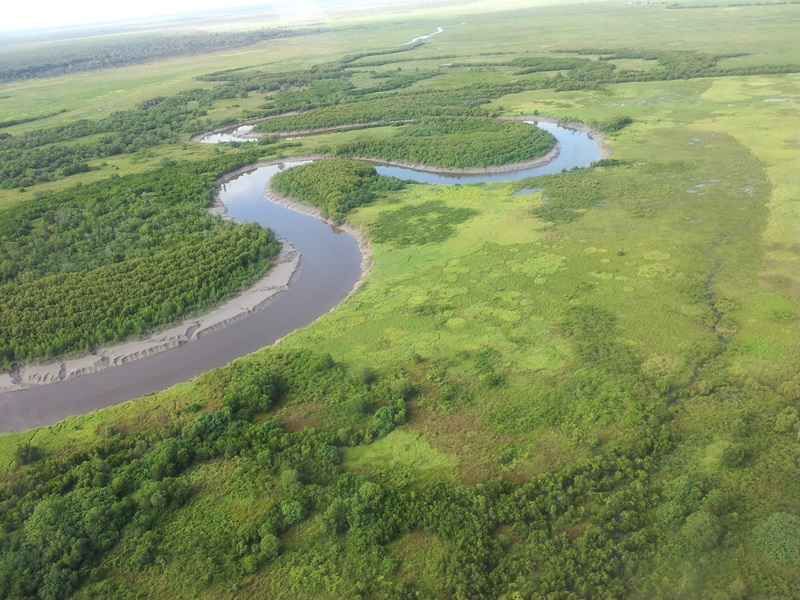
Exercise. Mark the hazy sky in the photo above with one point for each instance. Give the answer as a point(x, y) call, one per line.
point(27, 14)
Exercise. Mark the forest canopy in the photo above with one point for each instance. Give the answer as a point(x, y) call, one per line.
point(455, 142)
point(334, 185)
point(95, 264)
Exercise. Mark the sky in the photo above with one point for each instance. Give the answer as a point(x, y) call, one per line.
point(35, 14)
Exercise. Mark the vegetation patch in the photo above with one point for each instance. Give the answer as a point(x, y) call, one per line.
point(98, 263)
point(456, 142)
point(335, 185)
point(779, 538)
point(402, 457)
point(428, 223)
point(529, 398)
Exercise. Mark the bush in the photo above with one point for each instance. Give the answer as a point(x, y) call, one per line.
point(26, 454)
point(734, 456)
point(387, 418)
point(779, 538)
point(701, 530)
point(293, 512)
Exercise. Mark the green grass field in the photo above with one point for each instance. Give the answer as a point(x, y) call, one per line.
point(655, 298)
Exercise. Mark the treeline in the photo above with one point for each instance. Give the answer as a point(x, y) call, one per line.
point(44, 155)
point(334, 185)
point(571, 73)
point(677, 6)
point(585, 527)
point(41, 156)
point(117, 219)
point(329, 99)
point(574, 73)
point(78, 311)
point(56, 152)
point(456, 142)
point(102, 52)
point(12, 122)
point(67, 514)
point(393, 80)
point(387, 109)
point(100, 262)
point(538, 64)
point(670, 64)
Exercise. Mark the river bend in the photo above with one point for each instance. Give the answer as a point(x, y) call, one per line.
point(330, 268)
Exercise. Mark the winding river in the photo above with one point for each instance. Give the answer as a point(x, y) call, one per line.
point(329, 269)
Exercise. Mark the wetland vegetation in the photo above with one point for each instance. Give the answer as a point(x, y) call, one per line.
point(586, 391)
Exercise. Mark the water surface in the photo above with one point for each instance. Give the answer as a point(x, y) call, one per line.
point(577, 150)
point(329, 269)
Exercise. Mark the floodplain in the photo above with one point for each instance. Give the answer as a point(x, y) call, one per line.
point(586, 391)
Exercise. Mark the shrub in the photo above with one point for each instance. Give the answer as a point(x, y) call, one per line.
point(779, 538)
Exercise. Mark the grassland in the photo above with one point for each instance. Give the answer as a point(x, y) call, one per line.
point(633, 325)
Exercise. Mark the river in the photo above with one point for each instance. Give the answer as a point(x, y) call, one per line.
point(329, 269)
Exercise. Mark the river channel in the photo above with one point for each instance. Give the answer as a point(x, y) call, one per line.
point(329, 269)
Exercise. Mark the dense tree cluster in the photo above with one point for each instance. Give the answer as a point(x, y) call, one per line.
point(78, 311)
point(335, 185)
point(384, 109)
point(456, 142)
point(70, 513)
point(116, 219)
point(43, 155)
point(327, 92)
point(100, 262)
point(329, 99)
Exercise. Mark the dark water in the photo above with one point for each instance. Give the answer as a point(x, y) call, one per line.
point(330, 267)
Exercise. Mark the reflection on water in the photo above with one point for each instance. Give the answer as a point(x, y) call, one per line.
point(236, 135)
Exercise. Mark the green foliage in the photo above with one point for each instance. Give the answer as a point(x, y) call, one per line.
point(614, 124)
point(367, 375)
point(251, 389)
point(566, 196)
point(779, 538)
point(458, 142)
point(701, 531)
point(386, 418)
point(98, 263)
point(102, 52)
point(734, 456)
point(597, 388)
point(26, 454)
point(293, 512)
point(429, 223)
point(55, 153)
point(788, 421)
point(386, 109)
point(54, 533)
point(670, 515)
point(538, 64)
point(335, 185)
